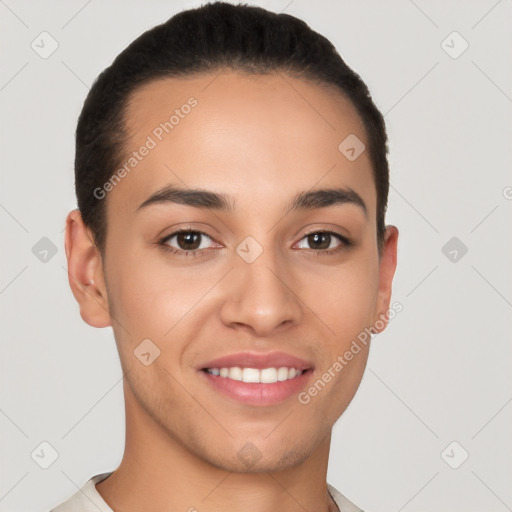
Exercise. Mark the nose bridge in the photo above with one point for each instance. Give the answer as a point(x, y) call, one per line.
point(260, 295)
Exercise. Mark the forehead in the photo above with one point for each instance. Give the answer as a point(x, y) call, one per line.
point(257, 137)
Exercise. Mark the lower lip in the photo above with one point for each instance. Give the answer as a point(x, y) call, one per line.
point(257, 393)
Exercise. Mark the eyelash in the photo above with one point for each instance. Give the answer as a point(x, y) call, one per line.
point(345, 243)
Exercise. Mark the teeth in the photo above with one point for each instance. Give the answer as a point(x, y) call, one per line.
point(282, 374)
point(266, 375)
point(250, 375)
point(235, 373)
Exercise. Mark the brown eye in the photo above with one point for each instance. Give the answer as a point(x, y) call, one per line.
point(325, 241)
point(187, 241)
point(319, 240)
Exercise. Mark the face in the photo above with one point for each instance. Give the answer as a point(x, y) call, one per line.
point(277, 268)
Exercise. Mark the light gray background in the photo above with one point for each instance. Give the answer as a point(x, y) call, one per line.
point(441, 372)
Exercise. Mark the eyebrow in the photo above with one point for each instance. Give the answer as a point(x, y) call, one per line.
point(199, 198)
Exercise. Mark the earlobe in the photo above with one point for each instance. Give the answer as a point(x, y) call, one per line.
point(387, 267)
point(85, 272)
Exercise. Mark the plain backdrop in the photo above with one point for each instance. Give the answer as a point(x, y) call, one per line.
point(429, 429)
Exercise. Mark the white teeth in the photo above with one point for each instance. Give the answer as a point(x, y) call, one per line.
point(266, 375)
point(282, 373)
point(235, 373)
point(250, 375)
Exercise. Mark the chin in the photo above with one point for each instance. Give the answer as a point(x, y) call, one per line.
point(250, 459)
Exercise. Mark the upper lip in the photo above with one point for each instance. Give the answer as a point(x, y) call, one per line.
point(258, 360)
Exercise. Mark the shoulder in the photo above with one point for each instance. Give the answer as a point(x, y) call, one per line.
point(86, 499)
point(344, 504)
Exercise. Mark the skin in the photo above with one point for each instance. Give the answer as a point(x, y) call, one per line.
point(260, 139)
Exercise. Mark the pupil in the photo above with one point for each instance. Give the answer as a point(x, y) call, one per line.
point(314, 238)
point(185, 239)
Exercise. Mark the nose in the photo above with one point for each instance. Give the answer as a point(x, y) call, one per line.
point(260, 297)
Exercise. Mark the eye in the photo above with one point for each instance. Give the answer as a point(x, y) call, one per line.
point(324, 242)
point(186, 242)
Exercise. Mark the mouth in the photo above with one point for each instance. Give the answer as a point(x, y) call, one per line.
point(257, 379)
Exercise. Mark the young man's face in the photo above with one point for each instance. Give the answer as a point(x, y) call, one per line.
point(254, 284)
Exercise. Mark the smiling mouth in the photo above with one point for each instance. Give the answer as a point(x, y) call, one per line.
point(256, 378)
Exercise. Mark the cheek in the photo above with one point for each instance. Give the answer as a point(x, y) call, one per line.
point(151, 297)
point(345, 299)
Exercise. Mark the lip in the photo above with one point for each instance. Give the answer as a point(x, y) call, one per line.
point(258, 394)
point(259, 361)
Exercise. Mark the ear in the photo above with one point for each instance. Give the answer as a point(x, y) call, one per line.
point(387, 266)
point(85, 272)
